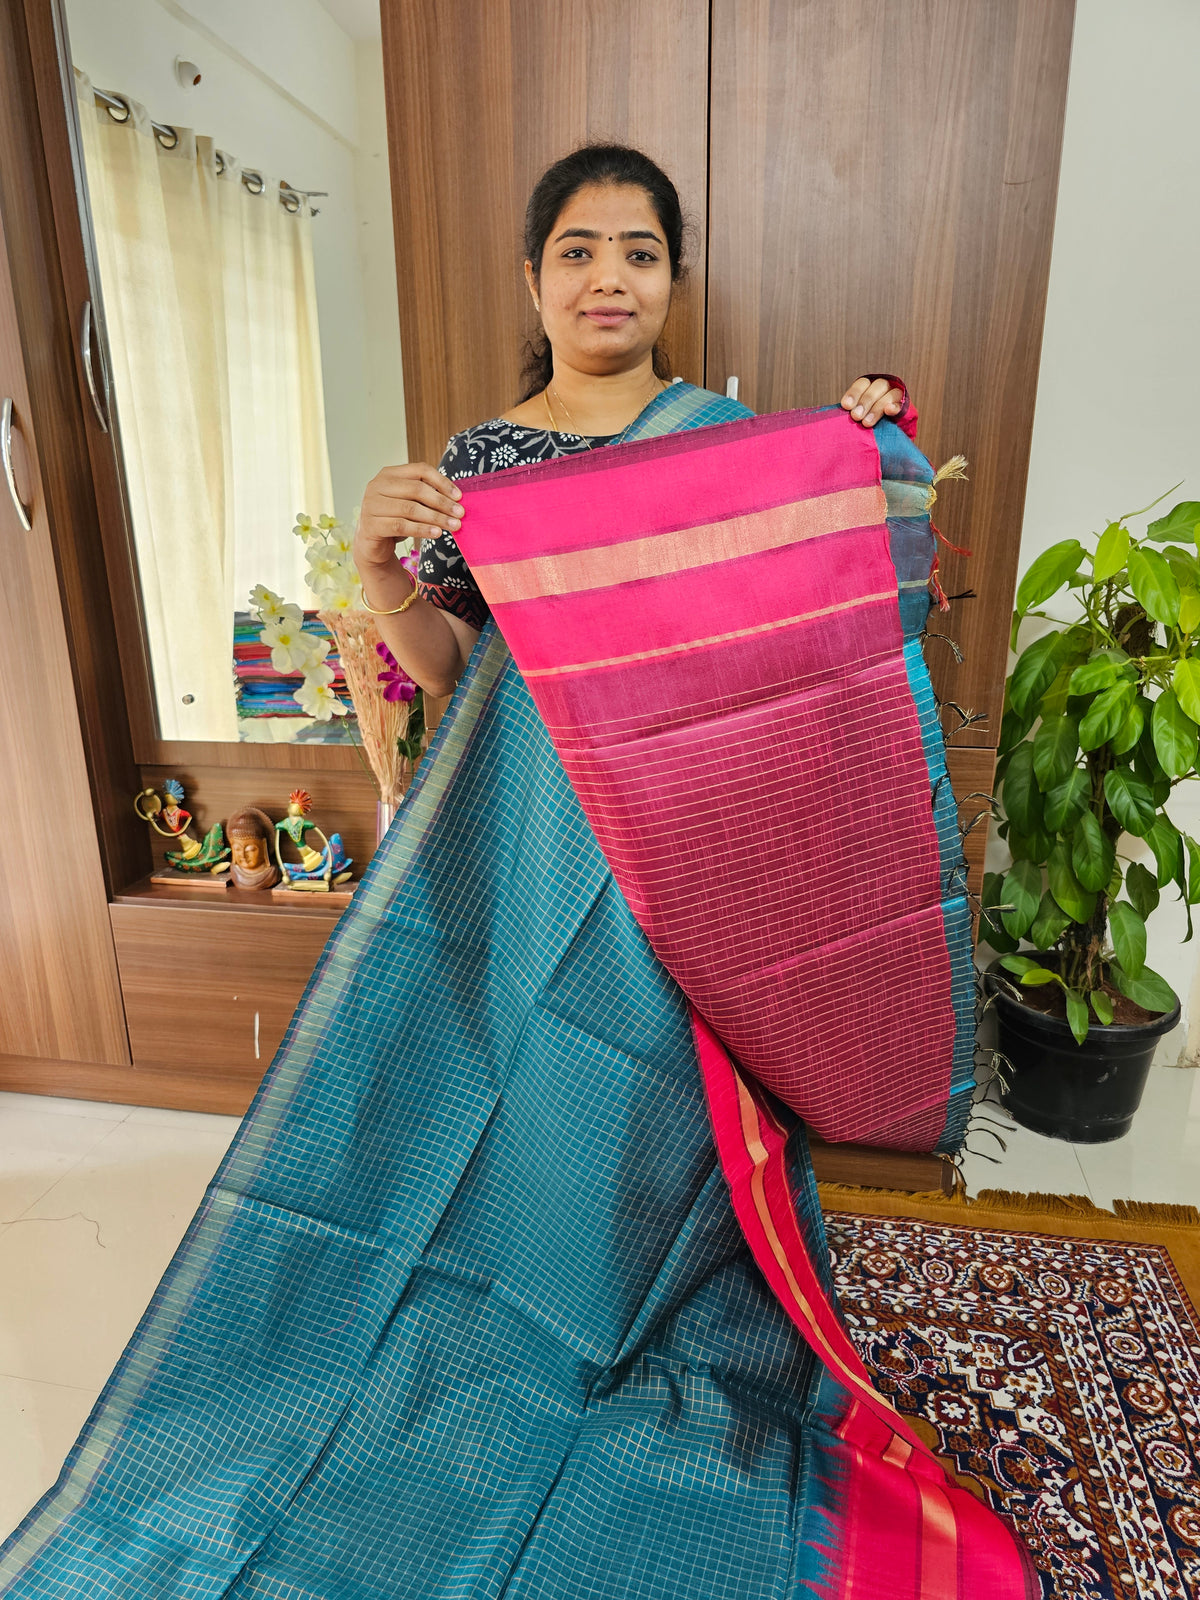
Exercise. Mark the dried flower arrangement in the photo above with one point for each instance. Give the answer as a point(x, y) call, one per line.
point(388, 705)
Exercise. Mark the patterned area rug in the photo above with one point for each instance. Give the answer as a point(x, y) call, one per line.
point(1058, 1374)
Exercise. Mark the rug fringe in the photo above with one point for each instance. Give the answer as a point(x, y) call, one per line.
point(1160, 1215)
point(1149, 1212)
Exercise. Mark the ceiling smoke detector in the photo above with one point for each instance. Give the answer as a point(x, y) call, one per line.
point(187, 73)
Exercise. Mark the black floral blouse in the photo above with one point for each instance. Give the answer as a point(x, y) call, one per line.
point(445, 578)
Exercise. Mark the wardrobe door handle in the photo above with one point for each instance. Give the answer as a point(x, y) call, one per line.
point(89, 370)
point(6, 422)
point(731, 388)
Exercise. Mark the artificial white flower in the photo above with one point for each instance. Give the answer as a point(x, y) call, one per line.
point(326, 568)
point(304, 526)
point(347, 598)
point(339, 541)
point(318, 701)
point(318, 672)
point(291, 648)
point(271, 607)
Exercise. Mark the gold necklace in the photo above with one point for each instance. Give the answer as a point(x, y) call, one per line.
point(653, 391)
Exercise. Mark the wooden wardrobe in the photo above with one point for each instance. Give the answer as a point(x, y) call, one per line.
point(869, 187)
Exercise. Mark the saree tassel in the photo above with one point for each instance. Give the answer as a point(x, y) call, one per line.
point(935, 586)
point(959, 549)
point(954, 469)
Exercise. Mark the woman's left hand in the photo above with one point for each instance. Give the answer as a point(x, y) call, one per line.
point(868, 399)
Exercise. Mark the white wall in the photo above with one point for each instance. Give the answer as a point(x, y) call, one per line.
point(284, 89)
point(1116, 418)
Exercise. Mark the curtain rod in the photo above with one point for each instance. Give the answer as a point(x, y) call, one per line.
point(168, 137)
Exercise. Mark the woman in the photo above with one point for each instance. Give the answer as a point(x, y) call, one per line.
point(467, 1311)
point(604, 243)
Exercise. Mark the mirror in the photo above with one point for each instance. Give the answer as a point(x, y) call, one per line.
point(237, 181)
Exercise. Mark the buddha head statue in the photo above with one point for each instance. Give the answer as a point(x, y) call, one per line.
point(250, 831)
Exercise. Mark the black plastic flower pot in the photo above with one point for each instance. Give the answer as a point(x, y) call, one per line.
point(1086, 1093)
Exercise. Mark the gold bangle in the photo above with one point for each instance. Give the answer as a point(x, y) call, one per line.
point(396, 610)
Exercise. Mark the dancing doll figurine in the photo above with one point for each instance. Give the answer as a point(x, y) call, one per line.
point(169, 819)
point(318, 871)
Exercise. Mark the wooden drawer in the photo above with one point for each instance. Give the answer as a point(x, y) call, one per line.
point(209, 992)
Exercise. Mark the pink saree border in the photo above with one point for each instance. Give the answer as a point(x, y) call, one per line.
point(907, 1532)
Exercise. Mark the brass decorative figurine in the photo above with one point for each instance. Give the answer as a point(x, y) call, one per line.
point(250, 834)
point(193, 863)
point(318, 871)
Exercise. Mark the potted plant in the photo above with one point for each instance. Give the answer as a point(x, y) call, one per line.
point(1101, 723)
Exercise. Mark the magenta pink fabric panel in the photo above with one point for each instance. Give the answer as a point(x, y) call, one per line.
point(708, 624)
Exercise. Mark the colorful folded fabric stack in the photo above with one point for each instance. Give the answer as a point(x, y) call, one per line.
point(263, 692)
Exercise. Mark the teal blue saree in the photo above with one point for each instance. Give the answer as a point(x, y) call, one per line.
point(467, 1311)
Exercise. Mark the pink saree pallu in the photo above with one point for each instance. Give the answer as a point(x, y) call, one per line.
point(709, 624)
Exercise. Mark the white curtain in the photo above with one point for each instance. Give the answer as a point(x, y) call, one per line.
point(211, 317)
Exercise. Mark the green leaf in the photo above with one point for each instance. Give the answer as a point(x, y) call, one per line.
point(1153, 583)
point(1147, 769)
point(1179, 523)
point(1185, 680)
point(1077, 1015)
point(1130, 731)
point(1092, 853)
point(1105, 715)
point(1065, 886)
point(1141, 887)
point(1035, 977)
point(1128, 937)
point(1101, 1005)
point(1110, 552)
point(1099, 673)
point(1023, 891)
point(991, 929)
point(1184, 565)
point(1193, 875)
point(1066, 801)
point(1033, 674)
point(1189, 610)
point(1051, 920)
point(1147, 990)
point(1055, 746)
point(1074, 646)
point(1113, 887)
point(1033, 846)
point(1129, 801)
point(1018, 964)
point(1021, 795)
point(1014, 725)
point(1163, 838)
point(1048, 573)
point(1174, 732)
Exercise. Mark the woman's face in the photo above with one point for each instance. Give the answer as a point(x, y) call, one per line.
point(605, 283)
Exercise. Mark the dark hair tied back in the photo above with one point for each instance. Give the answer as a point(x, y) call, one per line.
point(591, 164)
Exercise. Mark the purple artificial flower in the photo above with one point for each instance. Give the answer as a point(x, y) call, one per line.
point(397, 685)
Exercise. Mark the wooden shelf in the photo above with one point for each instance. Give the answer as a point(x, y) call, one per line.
point(145, 893)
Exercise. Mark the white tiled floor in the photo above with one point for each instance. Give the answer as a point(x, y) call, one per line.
point(1158, 1160)
point(94, 1199)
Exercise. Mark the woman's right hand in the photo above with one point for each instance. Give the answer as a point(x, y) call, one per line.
point(414, 501)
